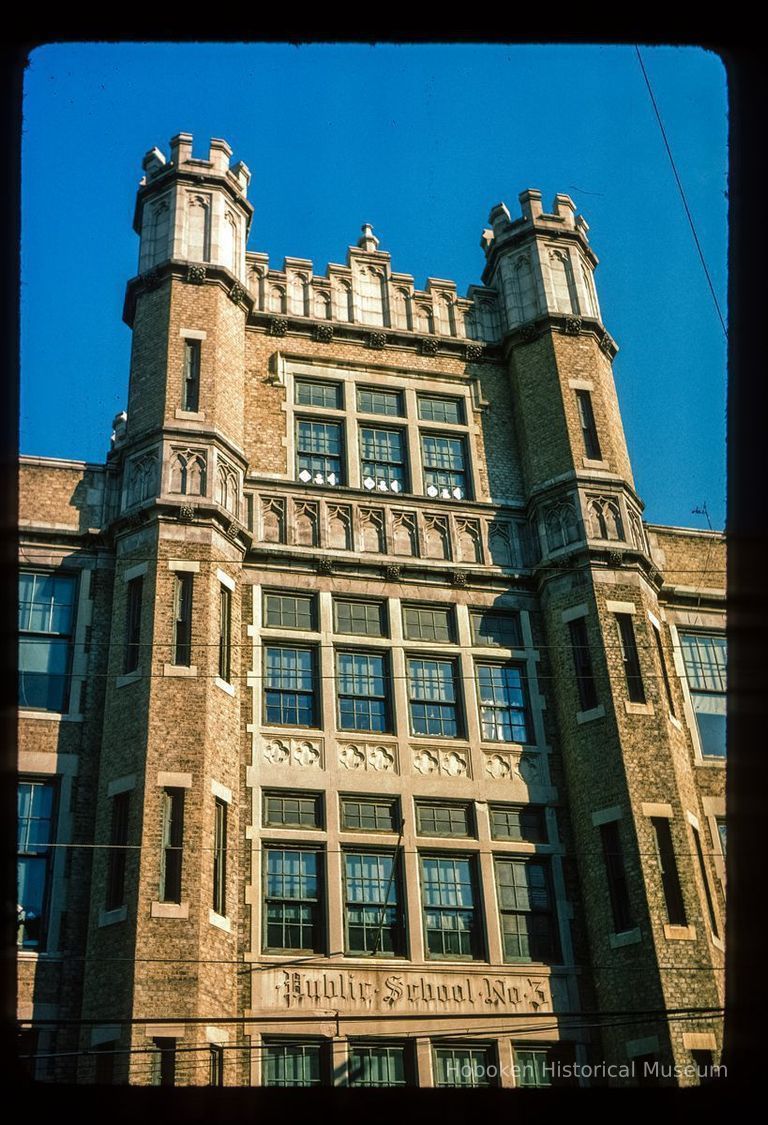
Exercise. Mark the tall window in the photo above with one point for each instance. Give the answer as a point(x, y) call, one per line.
point(34, 858)
point(503, 707)
point(292, 908)
point(630, 658)
point(670, 879)
point(465, 1066)
point(705, 879)
point(432, 697)
point(319, 451)
point(220, 857)
point(118, 843)
point(704, 655)
point(451, 922)
point(362, 692)
point(292, 1064)
point(191, 398)
point(289, 694)
point(289, 611)
point(225, 634)
point(133, 624)
point(173, 843)
point(528, 925)
point(582, 663)
point(588, 427)
point(372, 913)
point(182, 618)
point(378, 1064)
point(444, 465)
point(46, 618)
point(164, 1062)
point(664, 674)
point(617, 877)
point(216, 1065)
point(382, 457)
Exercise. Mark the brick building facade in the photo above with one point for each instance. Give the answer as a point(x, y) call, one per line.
point(368, 734)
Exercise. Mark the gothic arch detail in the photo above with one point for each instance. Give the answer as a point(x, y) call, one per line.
point(227, 487)
point(188, 472)
point(199, 229)
point(272, 520)
point(468, 541)
point(561, 525)
point(142, 479)
point(404, 534)
point(604, 517)
point(372, 530)
point(339, 527)
point(436, 539)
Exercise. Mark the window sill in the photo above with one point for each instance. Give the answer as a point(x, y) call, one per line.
point(590, 716)
point(111, 917)
point(181, 670)
point(675, 722)
point(228, 688)
point(592, 463)
point(680, 933)
point(128, 678)
point(169, 910)
point(190, 415)
point(712, 763)
point(220, 921)
point(718, 944)
point(49, 716)
point(638, 708)
point(627, 937)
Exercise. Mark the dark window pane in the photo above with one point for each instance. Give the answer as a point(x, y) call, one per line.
point(582, 661)
point(310, 393)
point(319, 451)
point(527, 911)
point(434, 819)
point(361, 680)
point(292, 899)
point(293, 810)
point(444, 465)
point(421, 624)
point(379, 814)
point(518, 822)
point(372, 909)
point(433, 409)
point(289, 611)
point(46, 620)
point(288, 1064)
point(289, 694)
point(465, 1066)
point(382, 457)
point(496, 629)
point(372, 401)
point(378, 1065)
point(364, 619)
point(450, 922)
point(34, 854)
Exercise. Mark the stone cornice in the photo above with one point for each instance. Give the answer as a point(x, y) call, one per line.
point(564, 323)
point(192, 273)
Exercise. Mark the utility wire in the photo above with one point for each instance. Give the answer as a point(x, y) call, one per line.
point(682, 192)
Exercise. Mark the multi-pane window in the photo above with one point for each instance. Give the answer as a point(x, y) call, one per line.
point(426, 624)
point(292, 1064)
point(534, 1067)
point(319, 451)
point(34, 856)
point(293, 810)
point(435, 409)
point(496, 630)
point(370, 400)
point(618, 888)
point(363, 619)
point(704, 655)
point(518, 822)
point(310, 393)
point(378, 1064)
point(370, 814)
point(191, 395)
point(118, 844)
point(172, 844)
point(588, 426)
point(289, 611)
point(372, 912)
point(289, 692)
point(382, 458)
point(432, 697)
point(182, 618)
point(362, 691)
point(443, 819)
point(630, 658)
point(670, 879)
point(133, 624)
point(451, 922)
point(292, 907)
point(582, 664)
point(465, 1066)
point(503, 707)
point(527, 913)
point(46, 617)
point(225, 633)
point(444, 464)
point(220, 857)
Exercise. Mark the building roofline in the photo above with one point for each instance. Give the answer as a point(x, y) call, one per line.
point(674, 529)
point(59, 462)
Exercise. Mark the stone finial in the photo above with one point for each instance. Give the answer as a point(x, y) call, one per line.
point(368, 241)
point(565, 209)
point(499, 218)
point(181, 148)
point(242, 174)
point(530, 204)
point(153, 162)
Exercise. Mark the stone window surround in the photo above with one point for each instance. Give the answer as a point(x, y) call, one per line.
point(409, 424)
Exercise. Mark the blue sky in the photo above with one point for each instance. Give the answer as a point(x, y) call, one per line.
point(420, 141)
